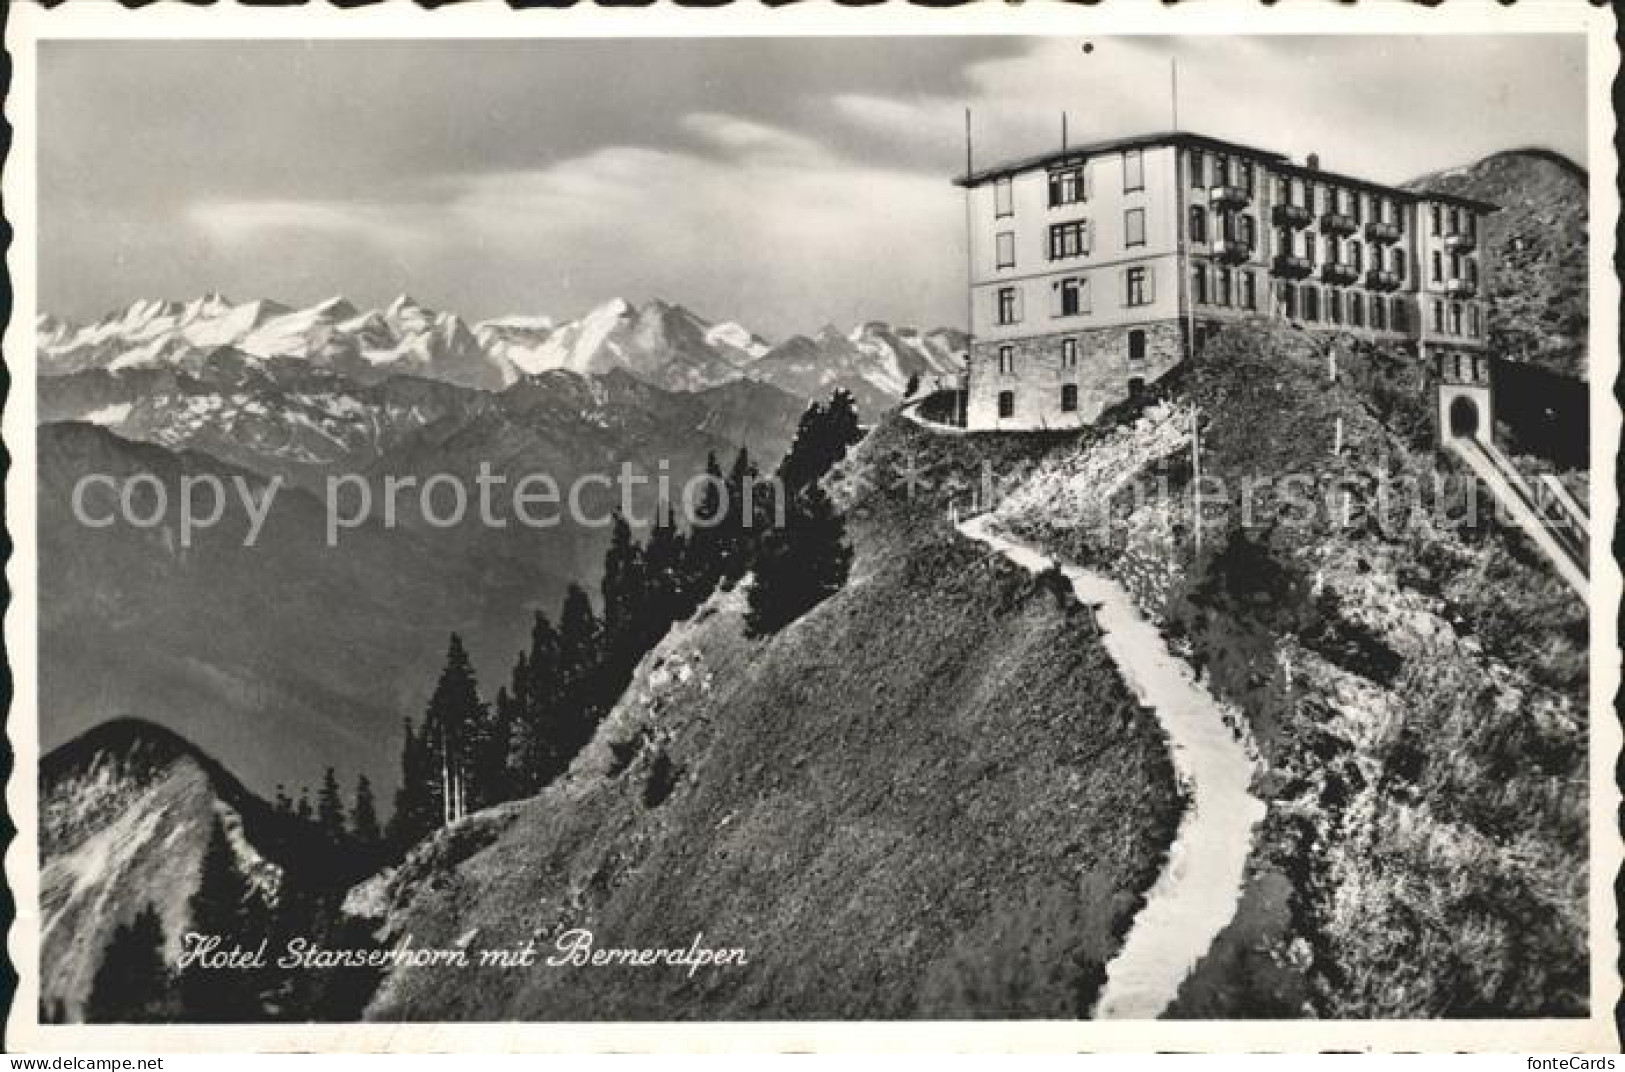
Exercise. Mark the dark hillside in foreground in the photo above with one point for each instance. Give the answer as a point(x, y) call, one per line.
point(931, 797)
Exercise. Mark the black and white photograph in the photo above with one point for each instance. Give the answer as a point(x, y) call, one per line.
point(982, 526)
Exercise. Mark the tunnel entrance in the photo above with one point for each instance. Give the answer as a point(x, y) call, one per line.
point(1463, 418)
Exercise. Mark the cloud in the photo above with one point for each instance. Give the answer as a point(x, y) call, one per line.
point(246, 222)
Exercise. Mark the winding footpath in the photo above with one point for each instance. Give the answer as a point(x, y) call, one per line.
point(1197, 892)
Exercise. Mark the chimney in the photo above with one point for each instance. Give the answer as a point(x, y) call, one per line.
point(1313, 162)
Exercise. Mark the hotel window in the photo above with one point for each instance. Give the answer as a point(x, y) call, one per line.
point(1069, 354)
point(1067, 187)
point(1356, 309)
point(1138, 288)
point(1249, 235)
point(1334, 306)
point(1134, 227)
point(1009, 305)
point(1136, 347)
point(1003, 200)
point(1246, 168)
point(1309, 197)
point(1068, 240)
point(1283, 242)
point(1331, 249)
point(1072, 297)
point(1438, 266)
point(1007, 404)
point(1006, 249)
point(1198, 223)
point(1357, 205)
point(1455, 220)
point(1472, 321)
point(1249, 291)
point(1438, 315)
point(1311, 303)
point(1399, 265)
point(1069, 398)
point(1472, 272)
point(1198, 171)
point(1455, 320)
point(1437, 216)
point(1199, 283)
point(1402, 319)
point(1379, 313)
point(1133, 170)
point(1224, 286)
point(1309, 249)
point(1455, 266)
point(1289, 300)
point(1007, 361)
point(1221, 170)
point(1283, 190)
point(1356, 256)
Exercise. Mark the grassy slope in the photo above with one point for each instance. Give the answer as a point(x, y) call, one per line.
point(1425, 850)
point(932, 796)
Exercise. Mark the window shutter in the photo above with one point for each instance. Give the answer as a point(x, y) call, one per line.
point(1124, 275)
point(1150, 284)
point(1084, 305)
point(1055, 308)
point(1019, 317)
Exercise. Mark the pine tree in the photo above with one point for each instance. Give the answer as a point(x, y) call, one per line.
point(581, 686)
point(624, 605)
point(706, 519)
point(133, 984)
point(536, 753)
point(364, 816)
point(330, 809)
point(799, 565)
point(302, 811)
point(739, 534)
point(416, 810)
point(451, 728)
point(666, 592)
point(223, 905)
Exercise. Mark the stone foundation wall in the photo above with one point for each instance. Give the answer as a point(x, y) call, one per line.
point(1102, 375)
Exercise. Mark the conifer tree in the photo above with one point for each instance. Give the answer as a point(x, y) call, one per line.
point(799, 565)
point(364, 816)
point(738, 535)
point(581, 687)
point(223, 905)
point(330, 809)
point(537, 749)
point(416, 811)
point(666, 592)
point(624, 604)
point(451, 727)
point(133, 984)
point(302, 811)
point(706, 520)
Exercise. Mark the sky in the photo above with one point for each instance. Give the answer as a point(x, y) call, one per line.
point(785, 183)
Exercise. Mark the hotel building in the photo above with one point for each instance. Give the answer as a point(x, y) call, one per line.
point(1098, 268)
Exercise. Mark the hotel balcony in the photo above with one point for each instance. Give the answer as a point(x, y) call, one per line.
point(1293, 216)
point(1377, 279)
point(1461, 240)
point(1229, 195)
point(1291, 267)
point(1230, 251)
point(1382, 232)
point(1337, 223)
point(1461, 288)
point(1339, 274)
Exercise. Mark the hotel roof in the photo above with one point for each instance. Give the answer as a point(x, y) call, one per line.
point(1280, 161)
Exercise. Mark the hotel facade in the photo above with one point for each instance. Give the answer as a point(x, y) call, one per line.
point(1095, 270)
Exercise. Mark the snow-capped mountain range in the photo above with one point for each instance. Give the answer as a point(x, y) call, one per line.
point(662, 343)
